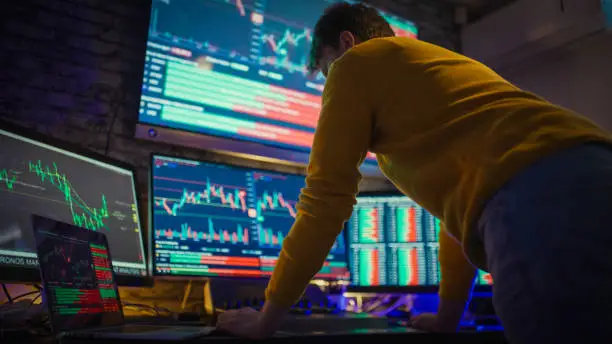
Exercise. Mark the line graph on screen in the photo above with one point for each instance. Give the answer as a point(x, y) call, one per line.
point(217, 195)
point(180, 23)
point(36, 176)
point(286, 49)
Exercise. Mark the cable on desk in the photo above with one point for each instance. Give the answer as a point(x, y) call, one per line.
point(26, 294)
point(6, 292)
point(13, 299)
point(151, 308)
point(42, 327)
point(22, 319)
point(34, 299)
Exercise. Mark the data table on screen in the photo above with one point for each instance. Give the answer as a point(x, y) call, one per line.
point(404, 220)
point(484, 278)
point(407, 264)
point(404, 231)
point(368, 225)
point(433, 263)
point(408, 237)
point(369, 264)
point(431, 227)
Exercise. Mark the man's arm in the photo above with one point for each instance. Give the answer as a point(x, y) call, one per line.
point(456, 284)
point(341, 142)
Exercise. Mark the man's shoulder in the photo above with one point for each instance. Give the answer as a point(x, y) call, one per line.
point(409, 49)
point(372, 52)
point(380, 46)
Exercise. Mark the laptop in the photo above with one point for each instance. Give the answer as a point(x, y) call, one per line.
point(80, 288)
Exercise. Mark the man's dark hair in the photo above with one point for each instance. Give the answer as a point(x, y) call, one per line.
point(362, 21)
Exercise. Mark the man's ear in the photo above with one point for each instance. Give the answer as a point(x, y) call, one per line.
point(347, 40)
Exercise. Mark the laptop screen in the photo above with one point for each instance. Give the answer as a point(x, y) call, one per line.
point(77, 275)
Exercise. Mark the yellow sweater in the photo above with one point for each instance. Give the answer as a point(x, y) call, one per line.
point(447, 131)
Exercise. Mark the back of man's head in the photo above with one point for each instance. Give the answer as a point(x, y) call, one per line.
point(364, 22)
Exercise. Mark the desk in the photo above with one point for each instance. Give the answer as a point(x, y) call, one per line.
point(378, 336)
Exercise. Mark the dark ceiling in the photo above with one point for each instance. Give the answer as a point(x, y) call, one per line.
point(476, 9)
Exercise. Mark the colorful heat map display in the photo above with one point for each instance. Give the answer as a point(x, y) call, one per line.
point(394, 242)
point(221, 220)
point(236, 68)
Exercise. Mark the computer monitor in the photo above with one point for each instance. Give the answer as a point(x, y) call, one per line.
point(220, 220)
point(76, 269)
point(39, 175)
point(393, 246)
point(237, 69)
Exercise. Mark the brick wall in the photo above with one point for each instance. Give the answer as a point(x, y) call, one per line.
point(72, 69)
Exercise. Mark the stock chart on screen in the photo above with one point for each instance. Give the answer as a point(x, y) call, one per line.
point(77, 275)
point(38, 178)
point(393, 242)
point(220, 220)
point(236, 69)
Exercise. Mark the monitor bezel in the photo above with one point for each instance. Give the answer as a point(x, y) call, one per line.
point(223, 163)
point(32, 274)
point(478, 288)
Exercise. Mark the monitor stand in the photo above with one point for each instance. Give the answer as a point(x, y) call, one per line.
point(175, 294)
point(237, 293)
point(209, 295)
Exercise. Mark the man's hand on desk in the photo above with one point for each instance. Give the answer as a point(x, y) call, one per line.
point(429, 322)
point(249, 323)
point(244, 322)
point(447, 320)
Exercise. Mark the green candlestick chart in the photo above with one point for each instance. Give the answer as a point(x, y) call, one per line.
point(83, 215)
point(8, 177)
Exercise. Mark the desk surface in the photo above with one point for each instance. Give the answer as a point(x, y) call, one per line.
point(389, 336)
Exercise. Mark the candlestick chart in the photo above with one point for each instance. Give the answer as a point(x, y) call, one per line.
point(191, 206)
point(210, 234)
point(276, 196)
point(219, 219)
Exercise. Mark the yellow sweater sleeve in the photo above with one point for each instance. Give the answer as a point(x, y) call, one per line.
point(341, 142)
point(457, 274)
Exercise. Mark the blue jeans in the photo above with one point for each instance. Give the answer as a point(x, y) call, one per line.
point(548, 238)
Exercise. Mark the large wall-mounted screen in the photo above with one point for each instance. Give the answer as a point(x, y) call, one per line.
point(236, 69)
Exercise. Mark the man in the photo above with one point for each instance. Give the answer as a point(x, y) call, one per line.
point(523, 187)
